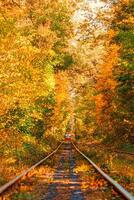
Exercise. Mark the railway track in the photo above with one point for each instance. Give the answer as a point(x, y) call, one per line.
point(69, 175)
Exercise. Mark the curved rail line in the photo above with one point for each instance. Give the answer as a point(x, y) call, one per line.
point(116, 185)
point(17, 178)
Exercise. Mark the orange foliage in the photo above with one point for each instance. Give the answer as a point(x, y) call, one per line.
point(106, 85)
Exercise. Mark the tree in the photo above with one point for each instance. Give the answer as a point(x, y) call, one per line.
point(123, 25)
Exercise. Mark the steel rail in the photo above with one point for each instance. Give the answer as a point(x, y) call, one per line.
point(17, 178)
point(116, 185)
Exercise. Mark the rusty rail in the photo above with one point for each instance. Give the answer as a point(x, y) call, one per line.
point(116, 185)
point(17, 178)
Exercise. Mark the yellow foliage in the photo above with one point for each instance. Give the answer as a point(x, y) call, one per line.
point(82, 168)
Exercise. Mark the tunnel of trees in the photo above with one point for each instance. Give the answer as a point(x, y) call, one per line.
point(64, 66)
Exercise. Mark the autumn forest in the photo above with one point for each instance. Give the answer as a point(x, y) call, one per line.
point(66, 67)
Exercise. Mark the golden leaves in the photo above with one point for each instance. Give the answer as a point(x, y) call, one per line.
point(111, 33)
point(106, 84)
point(82, 168)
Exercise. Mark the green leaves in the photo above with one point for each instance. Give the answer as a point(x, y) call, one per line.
point(68, 60)
point(125, 77)
point(6, 26)
point(124, 98)
point(126, 38)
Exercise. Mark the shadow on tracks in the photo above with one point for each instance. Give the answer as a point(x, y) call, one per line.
point(66, 184)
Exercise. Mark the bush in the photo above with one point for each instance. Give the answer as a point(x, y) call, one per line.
point(22, 196)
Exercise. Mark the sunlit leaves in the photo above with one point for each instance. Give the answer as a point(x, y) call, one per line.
point(123, 24)
point(34, 46)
